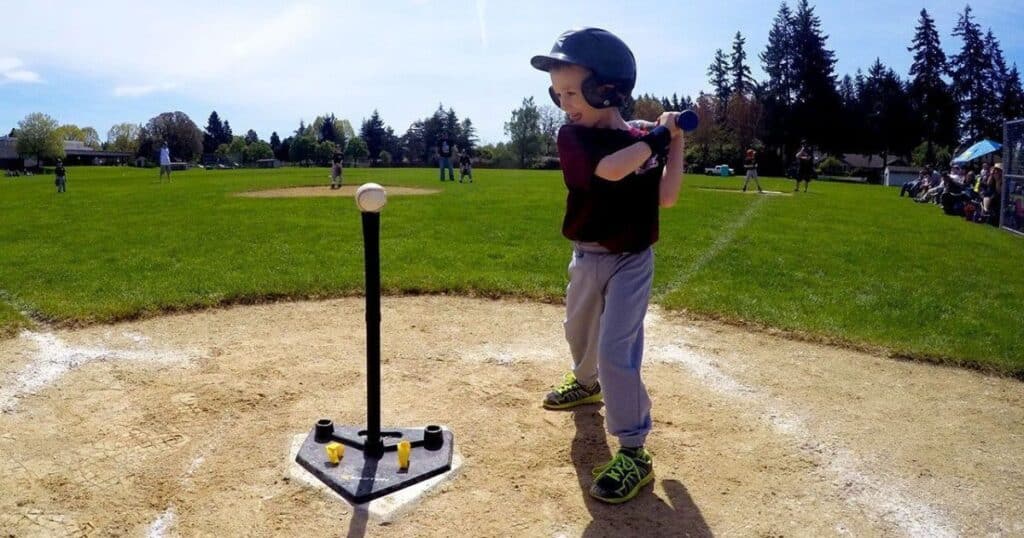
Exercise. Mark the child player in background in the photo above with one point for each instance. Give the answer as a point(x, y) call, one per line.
point(617, 178)
point(465, 166)
point(336, 172)
point(750, 163)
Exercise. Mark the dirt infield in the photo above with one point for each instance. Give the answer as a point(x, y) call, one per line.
point(179, 426)
point(324, 190)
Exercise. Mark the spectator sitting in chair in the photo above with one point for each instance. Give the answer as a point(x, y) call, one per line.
point(932, 191)
point(911, 188)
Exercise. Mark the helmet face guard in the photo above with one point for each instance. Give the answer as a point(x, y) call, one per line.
point(611, 63)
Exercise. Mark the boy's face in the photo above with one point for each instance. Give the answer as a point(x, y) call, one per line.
point(567, 82)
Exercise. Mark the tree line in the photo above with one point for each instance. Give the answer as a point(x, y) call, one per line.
point(317, 143)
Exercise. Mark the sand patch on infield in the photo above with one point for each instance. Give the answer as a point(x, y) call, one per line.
point(753, 434)
point(324, 191)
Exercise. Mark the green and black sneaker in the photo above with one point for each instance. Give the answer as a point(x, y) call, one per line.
point(621, 479)
point(570, 394)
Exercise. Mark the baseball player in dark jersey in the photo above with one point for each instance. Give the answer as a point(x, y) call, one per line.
point(617, 178)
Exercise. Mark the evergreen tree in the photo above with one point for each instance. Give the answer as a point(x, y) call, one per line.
point(467, 136)
point(1013, 96)
point(393, 145)
point(283, 151)
point(329, 132)
point(251, 137)
point(968, 70)
point(742, 82)
point(852, 117)
point(996, 77)
point(777, 63)
point(777, 58)
point(226, 136)
point(275, 142)
point(301, 131)
point(718, 76)
point(214, 133)
point(813, 79)
point(453, 127)
point(887, 115)
point(372, 132)
point(930, 96)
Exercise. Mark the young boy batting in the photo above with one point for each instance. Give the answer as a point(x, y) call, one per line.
point(617, 178)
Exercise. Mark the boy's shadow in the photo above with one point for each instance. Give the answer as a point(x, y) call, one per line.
point(647, 515)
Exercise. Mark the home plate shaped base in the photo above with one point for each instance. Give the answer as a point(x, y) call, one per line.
point(361, 476)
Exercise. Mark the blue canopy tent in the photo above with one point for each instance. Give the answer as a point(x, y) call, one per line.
point(978, 150)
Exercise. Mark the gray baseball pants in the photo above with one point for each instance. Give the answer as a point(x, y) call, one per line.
point(606, 302)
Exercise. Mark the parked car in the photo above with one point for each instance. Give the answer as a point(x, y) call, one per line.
point(720, 170)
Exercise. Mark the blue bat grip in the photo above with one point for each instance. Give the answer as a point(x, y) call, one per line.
point(687, 120)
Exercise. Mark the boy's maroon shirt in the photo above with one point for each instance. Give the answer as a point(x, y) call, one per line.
point(620, 215)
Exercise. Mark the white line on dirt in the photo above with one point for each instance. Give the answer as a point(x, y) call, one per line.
point(54, 358)
point(159, 527)
point(887, 498)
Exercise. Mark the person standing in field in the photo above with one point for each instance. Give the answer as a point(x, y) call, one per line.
point(336, 172)
point(805, 168)
point(61, 177)
point(617, 177)
point(750, 163)
point(444, 157)
point(465, 166)
point(165, 162)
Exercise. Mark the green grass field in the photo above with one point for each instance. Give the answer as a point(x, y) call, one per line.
point(852, 263)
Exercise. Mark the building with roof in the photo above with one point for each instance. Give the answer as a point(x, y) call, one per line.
point(75, 153)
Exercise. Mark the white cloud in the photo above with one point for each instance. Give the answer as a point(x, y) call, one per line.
point(141, 90)
point(21, 75)
point(11, 72)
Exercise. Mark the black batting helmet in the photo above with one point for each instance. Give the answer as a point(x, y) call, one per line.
point(605, 55)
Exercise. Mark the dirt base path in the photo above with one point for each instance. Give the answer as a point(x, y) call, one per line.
point(325, 190)
point(180, 425)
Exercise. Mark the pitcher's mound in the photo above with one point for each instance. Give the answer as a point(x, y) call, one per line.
point(324, 190)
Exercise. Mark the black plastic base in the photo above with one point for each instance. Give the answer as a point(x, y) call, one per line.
point(362, 476)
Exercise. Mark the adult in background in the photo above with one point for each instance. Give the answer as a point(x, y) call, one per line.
point(805, 168)
point(165, 162)
point(444, 157)
point(992, 194)
point(61, 177)
point(986, 171)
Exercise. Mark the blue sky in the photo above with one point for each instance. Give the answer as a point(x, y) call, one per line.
point(267, 64)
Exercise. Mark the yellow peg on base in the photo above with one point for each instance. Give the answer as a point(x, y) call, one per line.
point(335, 451)
point(404, 448)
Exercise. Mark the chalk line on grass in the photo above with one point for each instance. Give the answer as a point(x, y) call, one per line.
point(54, 357)
point(889, 499)
point(724, 239)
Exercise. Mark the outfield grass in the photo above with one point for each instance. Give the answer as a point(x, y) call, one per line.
point(849, 262)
